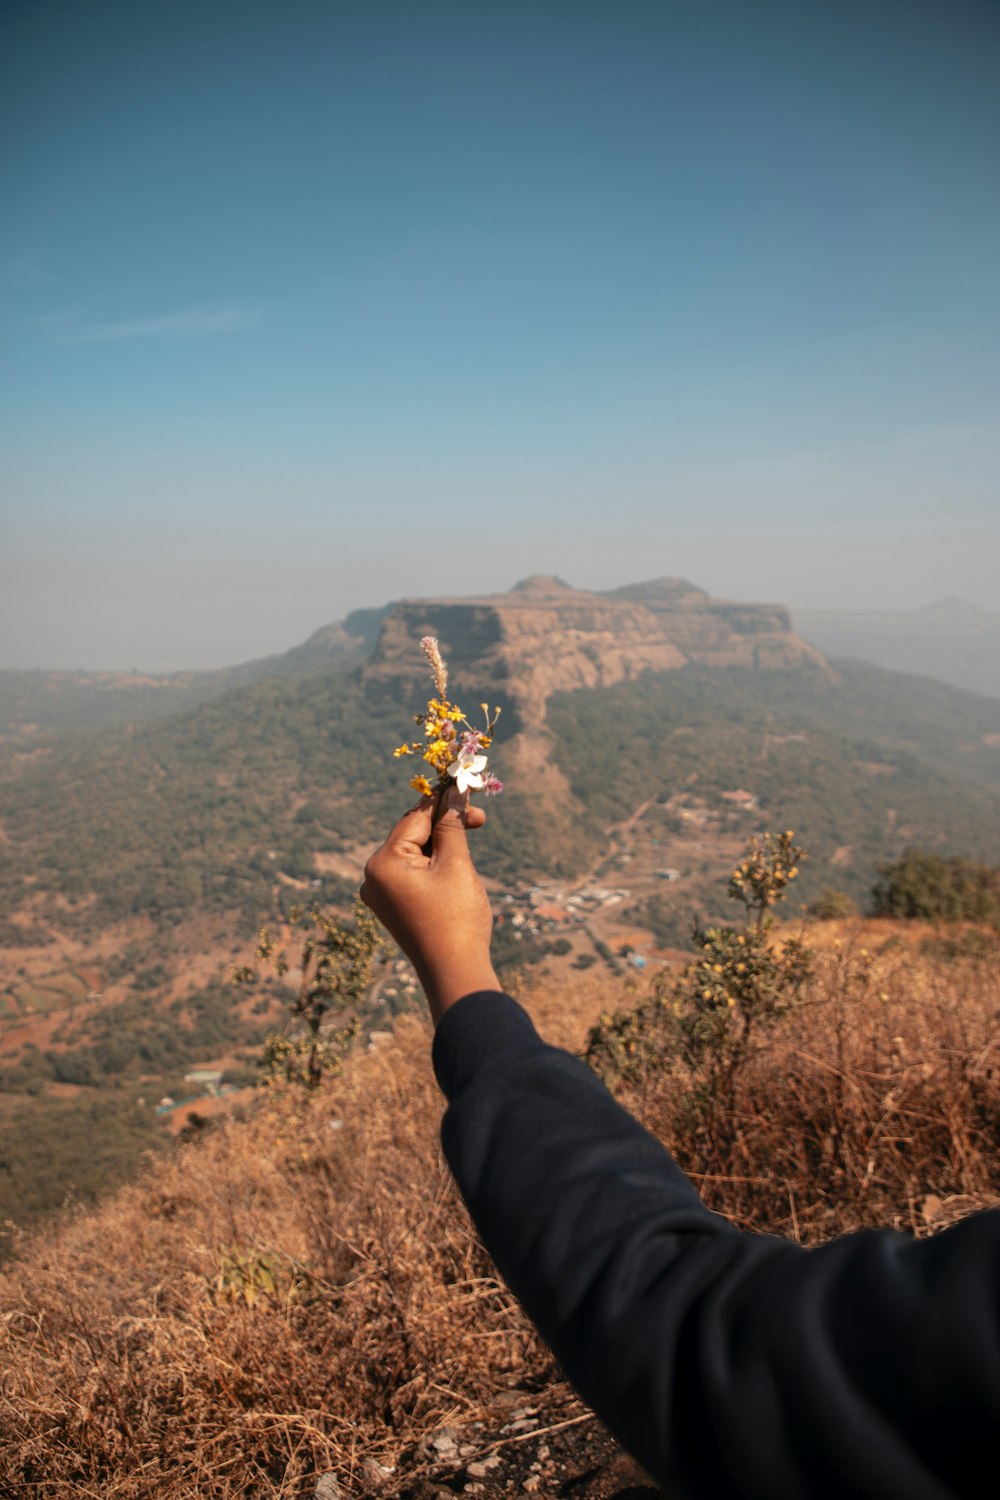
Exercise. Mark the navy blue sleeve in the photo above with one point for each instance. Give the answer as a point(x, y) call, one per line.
point(729, 1364)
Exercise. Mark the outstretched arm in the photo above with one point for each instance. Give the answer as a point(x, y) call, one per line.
point(730, 1364)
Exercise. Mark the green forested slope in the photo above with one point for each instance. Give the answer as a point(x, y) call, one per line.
point(200, 810)
point(875, 758)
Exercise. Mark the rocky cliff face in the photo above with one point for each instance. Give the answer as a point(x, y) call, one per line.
point(544, 637)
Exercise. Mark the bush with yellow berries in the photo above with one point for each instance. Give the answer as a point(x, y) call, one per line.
point(337, 961)
point(741, 982)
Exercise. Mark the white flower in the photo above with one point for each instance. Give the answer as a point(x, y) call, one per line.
point(468, 770)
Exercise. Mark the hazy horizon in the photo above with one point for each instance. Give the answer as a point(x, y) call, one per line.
point(277, 646)
point(306, 309)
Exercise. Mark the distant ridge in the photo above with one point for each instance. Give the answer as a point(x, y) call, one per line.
point(603, 636)
point(541, 585)
point(951, 639)
point(510, 640)
point(676, 589)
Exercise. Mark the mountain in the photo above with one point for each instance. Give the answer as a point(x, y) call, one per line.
point(540, 637)
point(951, 639)
point(647, 732)
point(285, 767)
point(275, 766)
point(544, 637)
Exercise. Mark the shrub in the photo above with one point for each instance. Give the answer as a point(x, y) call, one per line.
point(744, 982)
point(832, 906)
point(737, 987)
point(938, 888)
point(336, 962)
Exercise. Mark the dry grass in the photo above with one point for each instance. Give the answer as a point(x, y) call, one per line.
point(297, 1293)
point(292, 1296)
point(875, 1103)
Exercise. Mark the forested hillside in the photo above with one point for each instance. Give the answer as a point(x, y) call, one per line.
point(198, 812)
point(36, 706)
point(861, 765)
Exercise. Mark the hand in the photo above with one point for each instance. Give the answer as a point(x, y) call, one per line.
point(423, 886)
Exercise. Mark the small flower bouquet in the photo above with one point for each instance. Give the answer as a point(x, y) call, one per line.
point(451, 747)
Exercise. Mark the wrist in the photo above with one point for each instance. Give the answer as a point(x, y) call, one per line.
point(445, 983)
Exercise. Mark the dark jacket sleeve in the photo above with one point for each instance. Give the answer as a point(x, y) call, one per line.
point(729, 1364)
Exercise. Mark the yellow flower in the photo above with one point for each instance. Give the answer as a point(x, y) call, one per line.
point(439, 754)
point(441, 722)
point(440, 709)
point(422, 785)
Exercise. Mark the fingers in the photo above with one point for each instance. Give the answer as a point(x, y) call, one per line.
point(411, 833)
point(475, 816)
point(406, 840)
point(436, 825)
point(448, 840)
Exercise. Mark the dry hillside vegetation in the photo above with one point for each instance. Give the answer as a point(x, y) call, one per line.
point(874, 1102)
point(299, 1294)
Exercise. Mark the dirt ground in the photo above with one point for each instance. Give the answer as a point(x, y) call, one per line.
point(515, 1448)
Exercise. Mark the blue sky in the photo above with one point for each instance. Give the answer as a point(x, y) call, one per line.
point(311, 305)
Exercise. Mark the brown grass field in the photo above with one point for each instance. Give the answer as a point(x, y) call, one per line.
point(299, 1293)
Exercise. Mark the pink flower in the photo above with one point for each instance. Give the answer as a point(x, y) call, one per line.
point(492, 785)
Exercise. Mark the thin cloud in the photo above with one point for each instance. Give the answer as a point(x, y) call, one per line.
point(187, 323)
point(23, 271)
